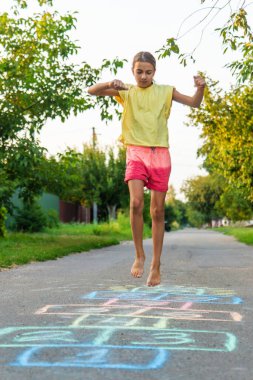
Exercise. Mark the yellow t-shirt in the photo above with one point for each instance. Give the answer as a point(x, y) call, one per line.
point(145, 115)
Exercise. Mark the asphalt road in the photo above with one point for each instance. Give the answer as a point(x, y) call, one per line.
point(84, 317)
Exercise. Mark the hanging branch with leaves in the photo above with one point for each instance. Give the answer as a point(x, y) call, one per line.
point(236, 35)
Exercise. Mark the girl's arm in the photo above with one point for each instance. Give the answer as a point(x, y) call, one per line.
point(196, 99)
point(107, 89)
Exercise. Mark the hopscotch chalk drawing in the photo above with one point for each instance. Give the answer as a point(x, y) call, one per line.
point(125, 328)
point(128, 311)
point(165, 296)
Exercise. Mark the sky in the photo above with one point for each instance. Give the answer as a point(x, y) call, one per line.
point(110, 28)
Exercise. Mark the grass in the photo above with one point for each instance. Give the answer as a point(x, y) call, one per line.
point(243, 234)
point(22, 248)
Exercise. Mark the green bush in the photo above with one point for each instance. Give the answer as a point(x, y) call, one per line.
point(30, 218)
point(53, 220)
point(195, 218)
point(3, 214)
point(175, 226)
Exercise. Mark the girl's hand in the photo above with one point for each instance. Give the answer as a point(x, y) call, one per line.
point(117, 85)
point(199, 82)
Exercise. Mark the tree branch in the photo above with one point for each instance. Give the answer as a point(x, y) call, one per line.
point(194, 26)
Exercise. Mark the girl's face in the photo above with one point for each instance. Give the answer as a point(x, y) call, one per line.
point(144, 73)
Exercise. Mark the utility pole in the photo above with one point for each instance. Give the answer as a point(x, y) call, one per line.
point(95, 207)
point(94, 138)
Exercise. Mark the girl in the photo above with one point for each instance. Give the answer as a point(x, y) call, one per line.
point(146, 108)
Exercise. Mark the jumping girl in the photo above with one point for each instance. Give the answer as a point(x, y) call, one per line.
point(146, 109)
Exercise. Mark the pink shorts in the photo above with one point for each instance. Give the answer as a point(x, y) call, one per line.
point(152, 165)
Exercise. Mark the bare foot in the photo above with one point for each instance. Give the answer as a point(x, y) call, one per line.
point(154, 277)
point(138, 267)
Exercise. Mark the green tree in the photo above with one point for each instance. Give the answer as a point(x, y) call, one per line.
point(234, 206)
point(3, 213)
point(64, 176)
point(202, 193)
point(181, 213)
point(210, 198)
point(94, 175)
point(103, 179)
point(7, 188)
point(175, 210)
point(227, 133)
point(194, 217)
point(23, 166)
point(115, 193)
point(38, 81)
point(225, 118)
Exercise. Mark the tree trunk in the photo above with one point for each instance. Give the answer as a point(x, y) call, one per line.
point(112, 211)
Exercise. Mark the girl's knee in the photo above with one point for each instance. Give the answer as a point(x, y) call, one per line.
point(136, 205)
point(157, 213)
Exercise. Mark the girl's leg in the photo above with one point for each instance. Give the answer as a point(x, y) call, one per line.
point(136, 189)
point(157, 215)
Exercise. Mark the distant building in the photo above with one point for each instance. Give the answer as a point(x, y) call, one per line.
point(224, 222)
point(67, 211)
